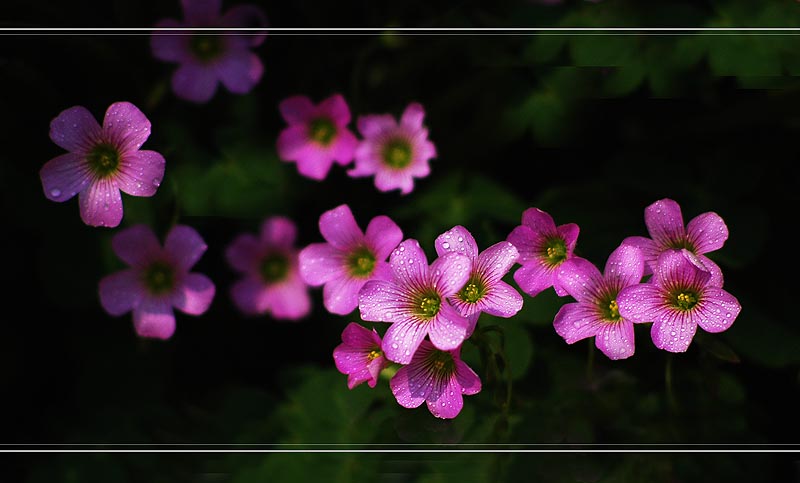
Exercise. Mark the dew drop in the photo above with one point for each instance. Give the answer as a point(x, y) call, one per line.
point(55, 193)
point(156, 182)
point(445, 245)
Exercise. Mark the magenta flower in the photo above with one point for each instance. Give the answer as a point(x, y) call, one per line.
point(271, 282)
point(350, 258)
point(439, 378)
point(395, 154)
point(704, 233)
point(158, 279)
point(359, 355)
point(596, 312)
point(485, 291)
point(207, 58)
point(316, 135)
point(681, 295)
point(416, 301)
point(543, 247)
point(101, 161)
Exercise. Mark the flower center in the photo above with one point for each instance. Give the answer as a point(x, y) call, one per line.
point(441, 363)
point(274, 267)
point(361, 262)
point(103, 160)
point(428, 305)
point(373, 354)
point(159, 278)
point(322, 130)
point(397, 153)
point(473, 291)
point(206, 47)
point(555, 251)
point(685, 300)
point(682, 243)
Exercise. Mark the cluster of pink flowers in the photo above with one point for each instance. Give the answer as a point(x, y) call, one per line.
point(317, 136)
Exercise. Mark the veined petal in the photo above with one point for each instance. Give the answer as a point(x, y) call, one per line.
point(194, 295)
point(448, 329)
point(469, 381)
point(680, 267)
point(383, 235)
point(642, 303)
point(626, 264)
point(381, 301)
point(497, 260)
point(127, 126)
point(120, 292)
point(615, 340)
point(409, 263)
point(576, 321)
point(649, 250)
point(75, 129)
point(580, 278)
point(449, 399)
point(402, 339)
point(717, 310)
point(458, 240)
point(450, 273)
point(339, 228)
point(707, 232)
point(340, 294)
point(664, 222)
point(65, 176)
point(101, 204)
point(136, 245)
point(527, 243)
point(533, 277)
point(320, 263)
point(539, 221)
point(140, 173)
point(502, 300)
point(569, 232)
point(184, 246)
point(407, 394)
point(673, 332)
point(153, 318)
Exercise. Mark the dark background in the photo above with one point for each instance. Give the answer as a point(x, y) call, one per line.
point(591, 128)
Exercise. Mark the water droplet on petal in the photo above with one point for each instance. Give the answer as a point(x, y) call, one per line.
point(55, 193)
point(156, 182)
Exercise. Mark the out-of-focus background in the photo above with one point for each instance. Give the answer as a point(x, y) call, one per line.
point(591, 128)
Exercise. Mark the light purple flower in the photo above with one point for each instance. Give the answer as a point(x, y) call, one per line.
point(271, 281)
point(359, 355)
point(485, 291)
point(206, 58)
point(158, 279)
point(596, 312)
point(438, 378)
point(543, 247)
point(704, 233)
point(681, 295)
point(394, 153)
point(416, 301)
point(101, 161)
point(350, 258)
point(317, 135)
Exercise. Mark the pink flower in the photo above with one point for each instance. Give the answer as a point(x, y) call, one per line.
point(316, 135)
point(416, 301)
point(485, 290)
point(542, 248)
point(596, 313)
point(350, 258)
point(438, 378)
point(681, 295)
point(158, 279)
point(207, 58)
point(359, 355)
point(271, 282)
point(704, 233)
point(101, 161)
point(395, 154)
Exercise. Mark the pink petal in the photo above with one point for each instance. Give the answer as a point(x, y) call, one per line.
point(120, 292)
point(381, 301)
point(626, 264)
point(469, 381)
point(717, 310)
point(194, 295)
point(408, 392)
point(448, 329)
point(357, 336)
point(344, 148)
point(409, 263)
point(575, 321)
point(373, 125)
point(716, 279)
point(65, 176)
point(383, 235)
point(194, 82)
point(502, 300)
point(526, 242)
point(664, 221)
point(569, 233)
point(459, 240)
point(136, 245)
point(533, 277)
point(673, 333)
point(649, 251)
point(289, 300)
point(365, 163)
point(247, 16)
point(336, 107)
point(201, 13)
point(615, 340)
point(450, 273)
point(296, 109)
point(293, 142)
point(169, 46)
point(413, 116)
point(538, 221)
point(153, 318)
point(340, 294)
point(339, 228)
point(388, 180)
point(449, 402)
point(184, 246)
point(497, 260)
point(140, 173)
point(279, 232)
point(320, 263)
point(682, 267)
point(240, 70)
point(641, 303)
point(402, 339)
point(707, 232)
point(243, 253)
point(314, 162)
point(580, 279)
point(126, 125)
point(101, 204)
point(249, 295)
point(75, 129)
